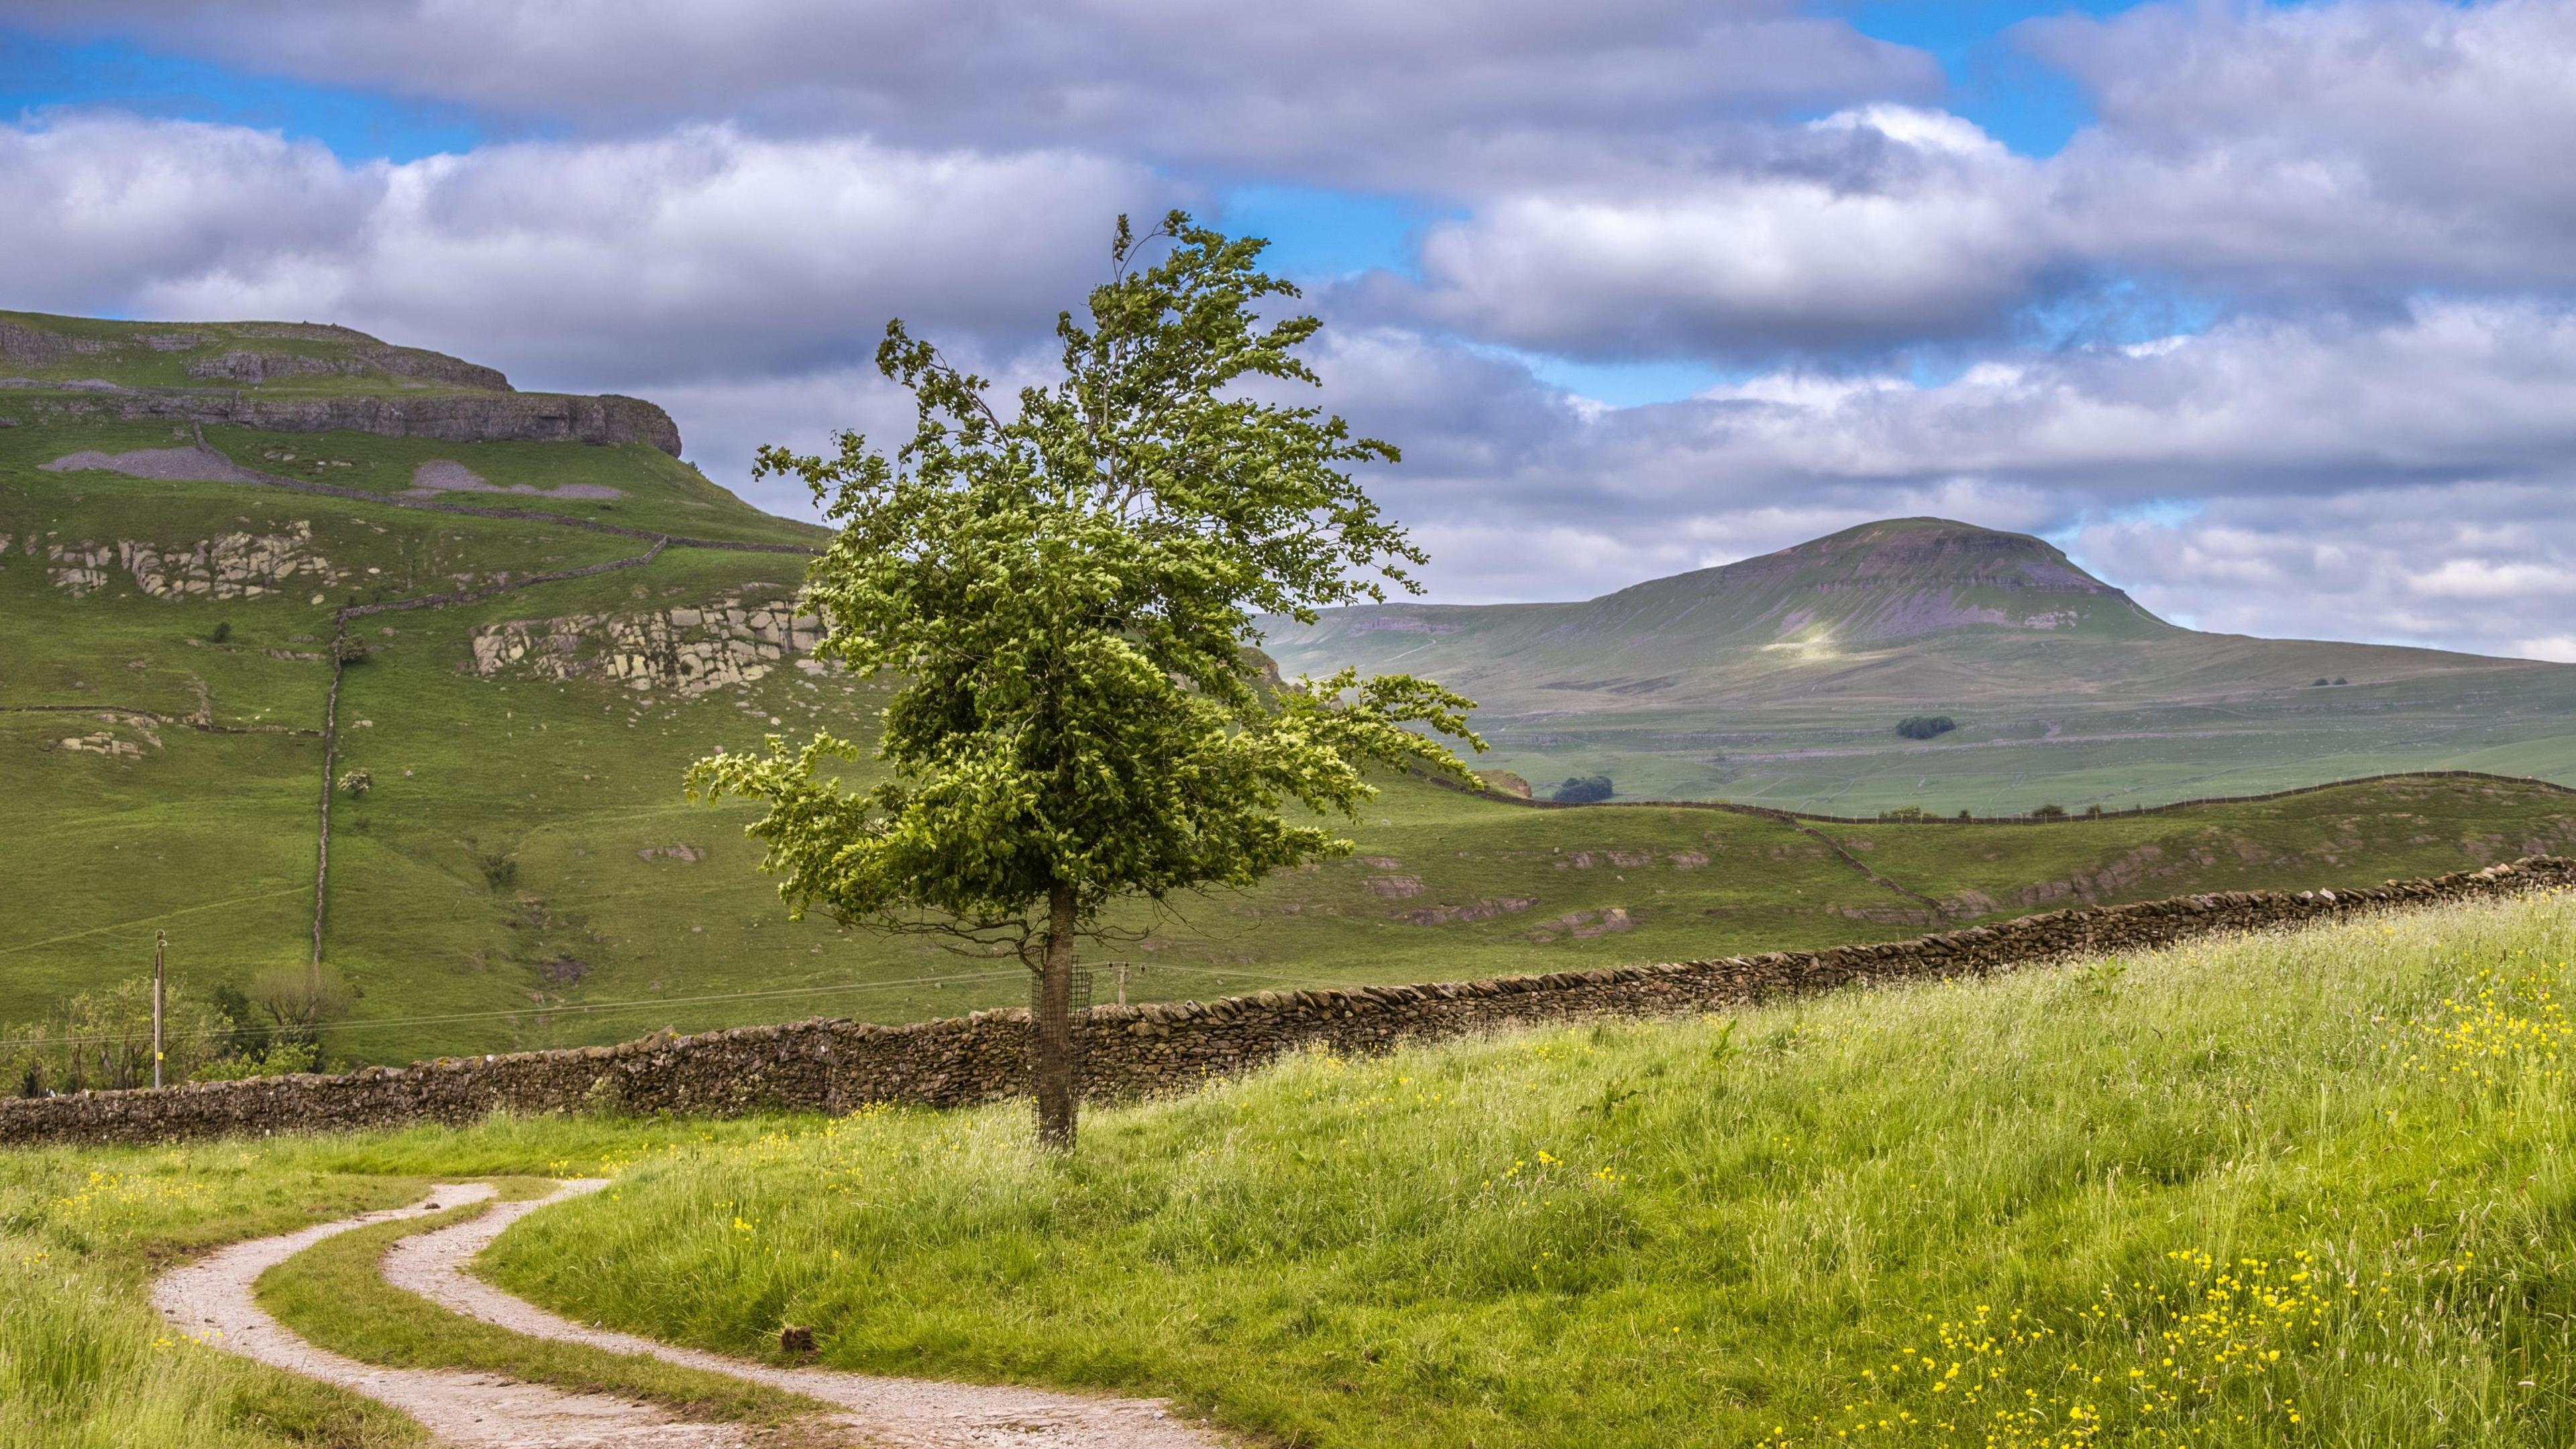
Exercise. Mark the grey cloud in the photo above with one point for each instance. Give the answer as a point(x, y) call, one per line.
point(2345, 156)
point(1346, 90)
point(97, 207)
point(2486, 567)
point(701, 254)
point(1872, 227)
point(2437, 452)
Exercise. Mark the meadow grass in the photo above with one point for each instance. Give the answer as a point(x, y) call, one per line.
point(85, 1363)
point(2308, 1188)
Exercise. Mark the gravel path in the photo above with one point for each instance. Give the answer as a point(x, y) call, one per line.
point(210, 1300)
point(898, 1413)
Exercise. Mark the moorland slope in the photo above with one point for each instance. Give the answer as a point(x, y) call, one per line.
point(1780, 680)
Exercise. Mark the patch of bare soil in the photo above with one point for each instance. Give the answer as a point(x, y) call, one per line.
point(441, 476)
point(200, 465)
point(898, 1413)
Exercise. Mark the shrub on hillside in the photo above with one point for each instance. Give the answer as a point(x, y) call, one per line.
point(1925, 726)
point(102, 1041)
point(2049, 812)
point(1584, 790)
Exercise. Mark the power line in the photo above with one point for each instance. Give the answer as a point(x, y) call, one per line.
point(293, 890)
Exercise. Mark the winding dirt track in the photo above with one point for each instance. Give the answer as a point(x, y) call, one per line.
point(210, 1300)
point(909, 1413)
point(213, 1296)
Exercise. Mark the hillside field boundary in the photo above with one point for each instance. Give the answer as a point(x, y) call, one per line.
point(2131, 812)
point(1127, 1052)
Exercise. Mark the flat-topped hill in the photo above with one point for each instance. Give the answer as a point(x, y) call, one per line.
point(1780, 679)
point(292, 377)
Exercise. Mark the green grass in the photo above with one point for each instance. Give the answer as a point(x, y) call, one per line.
point(597, 929)
point(334, 1296)
point(86, 1364)
point(2348, 1147)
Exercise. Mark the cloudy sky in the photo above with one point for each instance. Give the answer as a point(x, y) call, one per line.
point(2267, 314)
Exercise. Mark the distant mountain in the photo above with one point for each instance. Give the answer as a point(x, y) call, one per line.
point(1781, 678)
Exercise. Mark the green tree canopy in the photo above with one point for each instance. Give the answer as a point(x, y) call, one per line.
point(1067, 594)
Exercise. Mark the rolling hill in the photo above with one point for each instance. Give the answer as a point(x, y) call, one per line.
point(1780, 680)
point(239, 560)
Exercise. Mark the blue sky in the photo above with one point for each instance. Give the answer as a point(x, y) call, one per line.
point(2286, 342)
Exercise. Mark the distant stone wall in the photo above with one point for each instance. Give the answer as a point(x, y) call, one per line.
point(835, 1066)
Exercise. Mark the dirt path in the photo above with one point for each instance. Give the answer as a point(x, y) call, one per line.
point(210, 1300)
point(898, 1413)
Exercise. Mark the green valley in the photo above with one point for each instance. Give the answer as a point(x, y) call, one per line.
point(523, 870)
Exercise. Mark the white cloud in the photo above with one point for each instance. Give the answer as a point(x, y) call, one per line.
point(2407, 480)
point(1338, 89)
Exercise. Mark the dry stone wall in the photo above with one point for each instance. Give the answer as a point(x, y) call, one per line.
point(835, 1066)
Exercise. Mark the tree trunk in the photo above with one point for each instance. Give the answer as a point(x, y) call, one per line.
point(1051, 1027)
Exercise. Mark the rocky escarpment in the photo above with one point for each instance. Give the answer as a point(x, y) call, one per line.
point(285, 377)
point(229, 566)
point(729, 641)
point(480, 417)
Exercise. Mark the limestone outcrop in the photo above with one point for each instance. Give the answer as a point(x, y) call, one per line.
point(230, 566)
point(690, 651)
point(470, 417)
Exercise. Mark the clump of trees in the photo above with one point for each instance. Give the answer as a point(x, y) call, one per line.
point(1925, 726)
point(2049, 812)
point(1583, 790)
point(102, 1040)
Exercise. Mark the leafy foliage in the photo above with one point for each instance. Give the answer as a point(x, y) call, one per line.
point(1925, 726)
point(1065, 591)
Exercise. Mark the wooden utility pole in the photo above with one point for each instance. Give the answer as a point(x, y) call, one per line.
point(160, 947)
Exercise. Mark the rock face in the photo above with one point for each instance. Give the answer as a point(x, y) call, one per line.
point(249, 366)
point(36, 347)
point(690, 651)
point(503, 417)
point(231, 566)
point(403, 392)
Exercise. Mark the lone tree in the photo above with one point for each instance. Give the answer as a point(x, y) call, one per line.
point(1067, 593)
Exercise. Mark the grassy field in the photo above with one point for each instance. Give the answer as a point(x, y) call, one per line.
point(2305, 1189)
point(2312, 1188)
point(86, 1364)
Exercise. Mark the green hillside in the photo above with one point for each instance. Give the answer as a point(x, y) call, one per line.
point(2298, 1189)
point(1780, 680)
point(524, 870)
